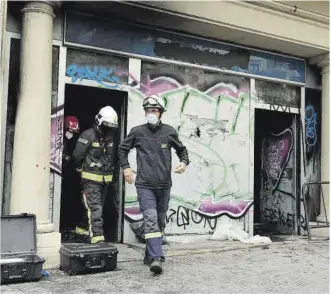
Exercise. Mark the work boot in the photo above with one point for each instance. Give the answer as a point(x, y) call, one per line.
point(81, 231)
point(162, 258)
point(97, 239)
point(156, 266)
point(82, 235)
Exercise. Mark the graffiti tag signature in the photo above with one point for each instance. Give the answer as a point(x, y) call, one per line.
point(310, 123)
point(100, 74)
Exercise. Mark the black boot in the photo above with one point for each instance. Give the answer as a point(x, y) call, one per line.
point(156, 266)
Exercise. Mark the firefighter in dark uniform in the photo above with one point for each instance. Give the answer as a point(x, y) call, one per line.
point(94, 159)
point(153, 142)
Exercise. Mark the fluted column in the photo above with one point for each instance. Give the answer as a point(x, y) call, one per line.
point(31, 154)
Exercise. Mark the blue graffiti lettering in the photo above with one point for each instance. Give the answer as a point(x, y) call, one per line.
point(310, 123)
point(99, 74)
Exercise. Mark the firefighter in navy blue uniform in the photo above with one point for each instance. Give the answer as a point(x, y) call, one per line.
point(94, 159)
point(153, 142)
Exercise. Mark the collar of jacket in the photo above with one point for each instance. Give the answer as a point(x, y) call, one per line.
point(156, 127)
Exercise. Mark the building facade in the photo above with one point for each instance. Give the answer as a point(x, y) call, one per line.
point(250, 100)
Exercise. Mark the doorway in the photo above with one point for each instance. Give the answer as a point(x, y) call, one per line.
point(275, 172)
point(84, 103)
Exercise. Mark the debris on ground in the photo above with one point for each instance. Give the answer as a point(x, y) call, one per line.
point(235, 233)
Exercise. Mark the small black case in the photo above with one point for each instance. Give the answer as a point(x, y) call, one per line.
point(19, 261)
point(88, 258)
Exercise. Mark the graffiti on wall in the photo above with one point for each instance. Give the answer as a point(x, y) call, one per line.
point(280, 97)
point(310, 127)
point(56, 140)
point(277, 181)
point(102, 75)
point(210, 112)
point(311, 146)
point(276, 153)
point(107, 71)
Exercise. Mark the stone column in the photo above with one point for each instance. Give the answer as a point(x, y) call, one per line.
point(322, 61)
point(31, 154)
point(3, 101)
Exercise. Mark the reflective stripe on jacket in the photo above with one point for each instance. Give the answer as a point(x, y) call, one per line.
point(95, 156)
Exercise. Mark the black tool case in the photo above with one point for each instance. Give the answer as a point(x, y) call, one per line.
point(19, 261)
point(88, 258)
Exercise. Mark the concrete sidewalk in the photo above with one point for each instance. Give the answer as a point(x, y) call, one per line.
point(290, 264)
point(195, 244)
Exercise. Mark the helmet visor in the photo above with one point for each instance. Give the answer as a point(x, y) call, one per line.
point(151, 102)
point(109, 125)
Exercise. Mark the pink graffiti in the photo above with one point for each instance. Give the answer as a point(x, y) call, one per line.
point(159, 85)
point(234, 209)
point(225, 89)
point(276, 153)
point(208, 208)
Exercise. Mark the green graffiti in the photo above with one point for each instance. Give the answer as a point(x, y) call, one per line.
point(228, 187)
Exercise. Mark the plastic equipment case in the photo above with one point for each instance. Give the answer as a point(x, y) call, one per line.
point(19, 261)
point(88, 258)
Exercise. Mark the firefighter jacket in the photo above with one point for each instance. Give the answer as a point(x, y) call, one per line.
point(153, 145)
point(94, 155)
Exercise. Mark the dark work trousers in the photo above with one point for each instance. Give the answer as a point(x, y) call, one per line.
point(93, 196)
point(154, 205)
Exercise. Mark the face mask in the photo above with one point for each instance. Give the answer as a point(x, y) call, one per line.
point(152, 119)
point(69, 135)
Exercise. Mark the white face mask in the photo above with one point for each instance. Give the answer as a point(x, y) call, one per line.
point(152, 118)
point(69, 135)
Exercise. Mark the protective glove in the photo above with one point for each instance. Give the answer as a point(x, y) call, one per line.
point(128, 175)
point(79, 169)
point(180, 168)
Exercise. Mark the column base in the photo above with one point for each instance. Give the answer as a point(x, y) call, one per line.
point(48, 246)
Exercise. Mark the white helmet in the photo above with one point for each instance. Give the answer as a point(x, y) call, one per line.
point(154, 101)
point(107, 116)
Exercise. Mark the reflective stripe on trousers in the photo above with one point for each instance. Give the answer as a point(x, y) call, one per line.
point(97, 178)
point(93, 198)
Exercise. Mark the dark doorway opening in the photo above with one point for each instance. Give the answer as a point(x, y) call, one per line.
point(275, 170)
point(84, 103)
